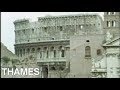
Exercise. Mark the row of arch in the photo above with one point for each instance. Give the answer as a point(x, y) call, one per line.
point(42, 52)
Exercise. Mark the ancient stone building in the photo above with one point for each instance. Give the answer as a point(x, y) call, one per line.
point(112, 22)
point(48, 40)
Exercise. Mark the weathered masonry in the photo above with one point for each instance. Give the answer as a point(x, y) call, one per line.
point(48, 39)
point(51, 29)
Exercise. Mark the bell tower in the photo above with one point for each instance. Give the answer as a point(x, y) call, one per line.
point(112, 23)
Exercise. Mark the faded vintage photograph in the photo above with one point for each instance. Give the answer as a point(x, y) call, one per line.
point(60, 44)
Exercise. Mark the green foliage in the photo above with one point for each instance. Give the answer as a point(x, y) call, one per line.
point(30, 57)
point(6, 59)
point(14, 61)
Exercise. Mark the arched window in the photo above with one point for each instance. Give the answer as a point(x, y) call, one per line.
point(87, 51)
point(33, 50)
point(113, 23)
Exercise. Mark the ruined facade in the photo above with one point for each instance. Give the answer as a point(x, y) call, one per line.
point(48, 39)
point(64, 46)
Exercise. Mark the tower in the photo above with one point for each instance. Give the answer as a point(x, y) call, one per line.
point(112, 22)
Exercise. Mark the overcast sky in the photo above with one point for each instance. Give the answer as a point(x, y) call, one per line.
point(7, 26)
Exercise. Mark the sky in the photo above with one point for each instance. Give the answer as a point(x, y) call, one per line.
point(7, 26)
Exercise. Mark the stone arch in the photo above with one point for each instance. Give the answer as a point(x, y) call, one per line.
point(52, 52)
point(61, 51)
point(45, 48)
point(108, 23)
point(53, 68)
point(28, 50)
point(20, 52)
point(39, 53)
point(38, 49)
point(33, 50)
point(52, 48)
point(113, 23)
point(60, 47)
point(23, 51)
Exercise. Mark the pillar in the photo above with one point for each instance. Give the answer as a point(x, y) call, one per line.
point(57, 52)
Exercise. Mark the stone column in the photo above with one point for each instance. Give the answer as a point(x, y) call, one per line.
point(48, 69)
point(26, 53)
point(35, 53)
point(51, 52)
point(18, 53)
point(23, 52)
point(57, 52)
point(42, 53)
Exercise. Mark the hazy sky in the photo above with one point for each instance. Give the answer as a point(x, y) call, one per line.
point(7, 26)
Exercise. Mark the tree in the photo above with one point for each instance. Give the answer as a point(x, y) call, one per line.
point(14, 61)
point(62, 71)
point(5, 60)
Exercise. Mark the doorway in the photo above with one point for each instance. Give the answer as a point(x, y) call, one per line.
point(45, 72)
